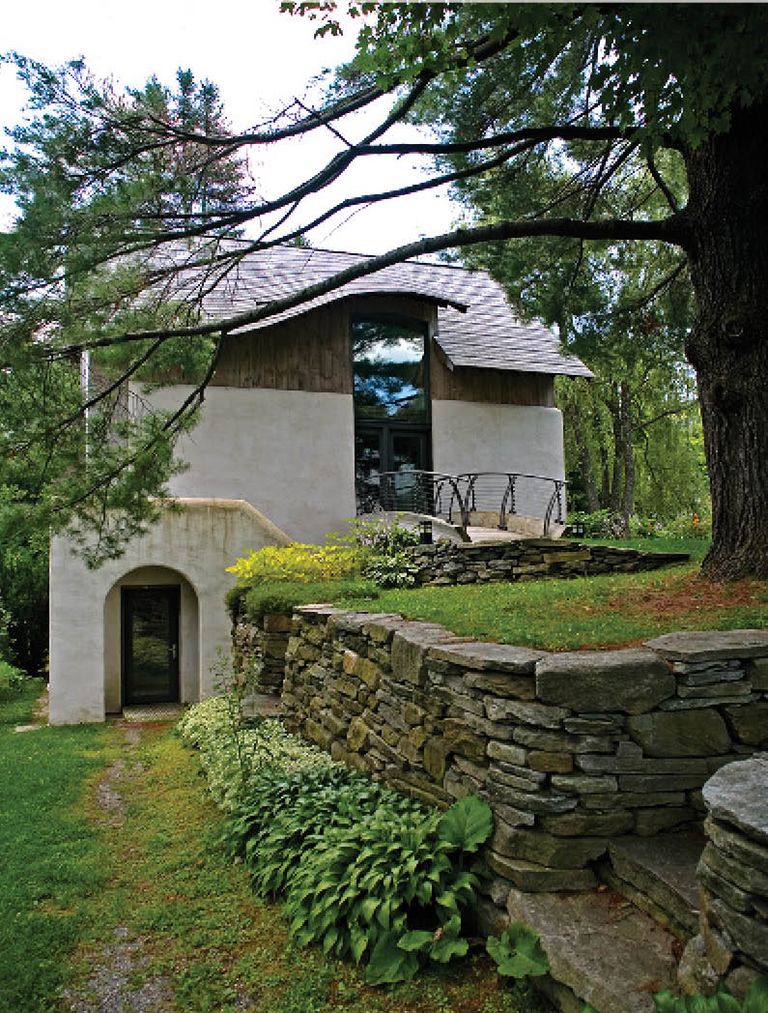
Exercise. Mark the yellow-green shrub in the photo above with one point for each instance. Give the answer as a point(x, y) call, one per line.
point(296, 562)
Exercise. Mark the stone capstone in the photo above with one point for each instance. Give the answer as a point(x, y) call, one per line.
point(711, 645)
point(482, 656)
point(738, 794)
point(631, 681)
point(409, 649)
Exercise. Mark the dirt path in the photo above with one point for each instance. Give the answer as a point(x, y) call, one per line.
point(119, 980)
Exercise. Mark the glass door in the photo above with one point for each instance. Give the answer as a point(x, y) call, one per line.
point(407, 450)
point(150, 644)
point(384, 448)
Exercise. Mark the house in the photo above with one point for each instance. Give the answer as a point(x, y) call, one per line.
point(416, 368)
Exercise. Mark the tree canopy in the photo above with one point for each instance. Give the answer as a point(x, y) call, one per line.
point(605, 124)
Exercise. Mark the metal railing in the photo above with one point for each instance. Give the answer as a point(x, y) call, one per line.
point(455, 498)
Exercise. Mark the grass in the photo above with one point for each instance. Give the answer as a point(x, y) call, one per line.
point(590, 612)
point(696, 548)
point(201, 931)
point(77, 876)
point(51, 857)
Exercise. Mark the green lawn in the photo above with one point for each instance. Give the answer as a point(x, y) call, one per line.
point(51, 860)
point(589, 612)
point(79, 880)
point(696, 548)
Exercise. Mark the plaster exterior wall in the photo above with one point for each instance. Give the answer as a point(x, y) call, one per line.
point(469, 436)
point(190, 547)
point(288, 452)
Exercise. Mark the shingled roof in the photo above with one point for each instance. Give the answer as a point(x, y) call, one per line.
point(476, 324)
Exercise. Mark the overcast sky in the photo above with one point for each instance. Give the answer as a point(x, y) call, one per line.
point(260, 60)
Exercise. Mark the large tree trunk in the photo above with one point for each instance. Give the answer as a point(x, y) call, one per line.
point(627, 453)
point(728, 346)
point(577, 423)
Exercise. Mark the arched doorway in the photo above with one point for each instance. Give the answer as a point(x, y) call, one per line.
point(151, 639)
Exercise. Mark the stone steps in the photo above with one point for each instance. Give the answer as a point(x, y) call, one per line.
point(615, 946)
point(658, 874)
point(602, 949)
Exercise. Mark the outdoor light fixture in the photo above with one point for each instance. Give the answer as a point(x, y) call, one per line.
point(425, 532)
point(577, 529)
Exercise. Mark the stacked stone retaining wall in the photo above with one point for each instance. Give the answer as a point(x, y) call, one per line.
point(569, 749)
point(446, 563)
point(733, 871)
point(258, 649)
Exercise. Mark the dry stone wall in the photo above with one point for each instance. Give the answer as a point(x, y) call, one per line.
point(258, 648)
point(447, 563)
point(733, 871)
point(569, 749)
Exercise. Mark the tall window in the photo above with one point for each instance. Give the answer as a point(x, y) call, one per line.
point(389, 371)
point(391, 397)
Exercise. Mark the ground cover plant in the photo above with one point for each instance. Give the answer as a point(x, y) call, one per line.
point(588, 612)
point(366, 873)
point(347, 569)
point(52, 859)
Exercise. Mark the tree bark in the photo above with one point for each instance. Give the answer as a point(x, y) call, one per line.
point(577, 423)
point(626, 408)
point(728, 345)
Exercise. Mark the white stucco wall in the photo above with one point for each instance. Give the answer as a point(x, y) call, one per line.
point(288, 452)
point(191, 547)
point(470, 437)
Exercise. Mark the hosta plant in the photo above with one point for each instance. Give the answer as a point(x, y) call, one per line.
point(518, 952)
point(755, 1001)
point(391, 890)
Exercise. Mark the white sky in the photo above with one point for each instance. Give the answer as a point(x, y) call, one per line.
point(260, 60)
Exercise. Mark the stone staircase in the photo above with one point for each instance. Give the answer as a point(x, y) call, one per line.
point(658, 874)
point(615, 946)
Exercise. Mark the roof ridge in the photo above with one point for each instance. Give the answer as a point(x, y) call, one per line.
point(366, 256)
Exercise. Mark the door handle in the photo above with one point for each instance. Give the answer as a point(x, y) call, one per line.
point(174, 651)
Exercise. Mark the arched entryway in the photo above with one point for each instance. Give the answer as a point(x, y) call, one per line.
point(151, 639)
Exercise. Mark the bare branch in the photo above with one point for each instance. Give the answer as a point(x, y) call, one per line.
point(662, 185)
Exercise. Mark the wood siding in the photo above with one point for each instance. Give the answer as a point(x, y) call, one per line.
point(311, 352)
point(488, 386)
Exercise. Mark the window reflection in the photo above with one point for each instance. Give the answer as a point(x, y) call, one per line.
point(389, 377)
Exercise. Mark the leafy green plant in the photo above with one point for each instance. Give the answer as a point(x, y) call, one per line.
point(366, 872)
point(382, 547)
point(283, 596)
point(295, 562)
point(11, 678)
point(265, 744)
point(518, 952)
point(755, 1001)
point(392, 889)
point(286, 814)
point(396, 569)
point(380, 537)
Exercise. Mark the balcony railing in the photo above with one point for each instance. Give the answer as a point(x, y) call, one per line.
point(485, 498)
